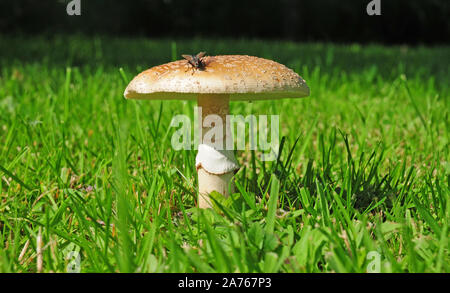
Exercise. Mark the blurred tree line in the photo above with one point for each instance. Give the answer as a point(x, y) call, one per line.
point(402, 21)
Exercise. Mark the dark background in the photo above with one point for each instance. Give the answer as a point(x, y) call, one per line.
point(401, 22)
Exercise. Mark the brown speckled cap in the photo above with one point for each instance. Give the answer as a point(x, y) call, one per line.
point(242, 77)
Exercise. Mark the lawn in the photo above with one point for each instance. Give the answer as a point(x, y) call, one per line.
point(89, 181)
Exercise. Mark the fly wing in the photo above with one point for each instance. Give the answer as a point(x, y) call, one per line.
point(201, 54)
point(188, 57)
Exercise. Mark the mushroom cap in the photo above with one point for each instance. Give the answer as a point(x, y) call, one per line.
point(242, 77)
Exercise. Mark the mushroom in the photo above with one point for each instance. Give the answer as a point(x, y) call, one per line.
point(218, 81)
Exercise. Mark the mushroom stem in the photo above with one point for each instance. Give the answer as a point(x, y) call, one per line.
point(215, 163)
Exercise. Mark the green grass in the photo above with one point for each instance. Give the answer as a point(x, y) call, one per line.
point(363, 170)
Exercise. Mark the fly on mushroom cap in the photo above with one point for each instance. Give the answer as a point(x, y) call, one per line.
point(214, 81)
point(242, 77)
